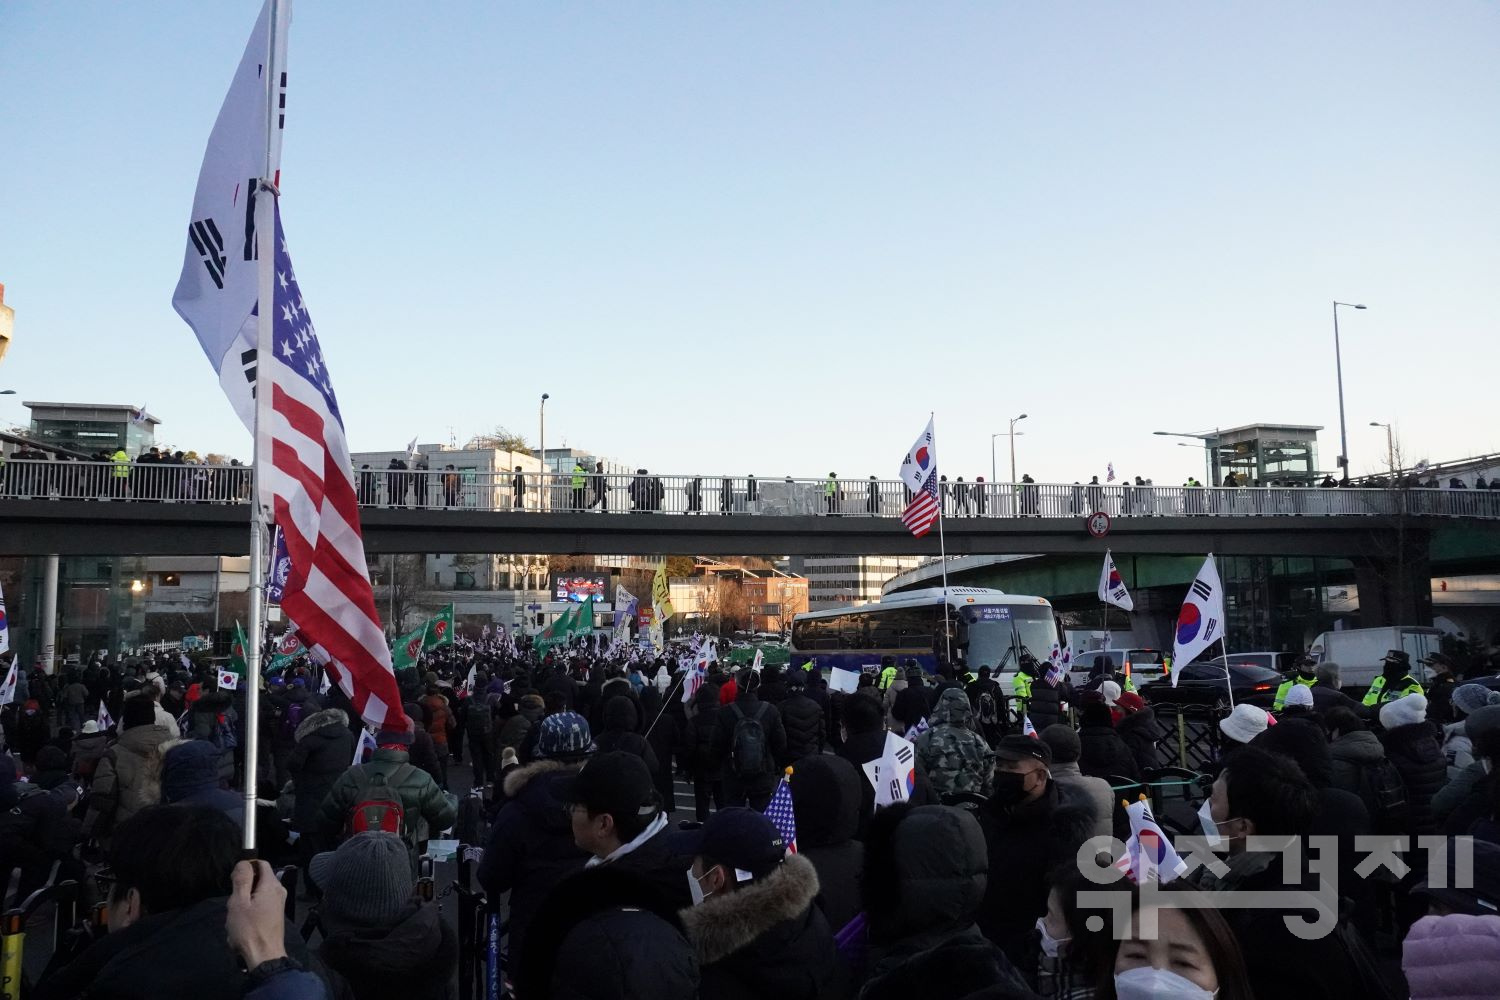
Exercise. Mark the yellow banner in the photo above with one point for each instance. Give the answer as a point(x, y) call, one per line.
point(661, 594)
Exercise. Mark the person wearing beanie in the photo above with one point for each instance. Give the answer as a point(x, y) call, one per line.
point(322, 748)
point(1104, 754)
point(1458, 749)
point(531, 847)
point(127, 778)
point(385, 941)
point(52, 767)
point(1244, 724)
point(826, 803)
point(389, 771)
point(190, 777)
point(1411, 743)
point(1066, 749)
point(1139, 730)
point(1467, 797)
point(518, 727)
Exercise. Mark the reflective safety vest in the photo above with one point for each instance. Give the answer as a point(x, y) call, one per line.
point(887, 677)
point(122, 464)
point(580, 477)
point(970, 678)
point(830, 487)
point(1380, 693)
point(1286, 689)
point(1021, 684)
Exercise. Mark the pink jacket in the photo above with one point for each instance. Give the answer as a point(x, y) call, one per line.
point(1453, 957)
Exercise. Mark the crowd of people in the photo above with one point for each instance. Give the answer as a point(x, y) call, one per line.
point(994, 873)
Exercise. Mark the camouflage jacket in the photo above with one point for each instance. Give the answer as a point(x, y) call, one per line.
point(956, 758)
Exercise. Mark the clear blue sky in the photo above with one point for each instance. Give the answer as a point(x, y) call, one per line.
point(771, 237)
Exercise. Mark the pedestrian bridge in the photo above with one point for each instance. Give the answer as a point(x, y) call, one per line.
point(83, 508)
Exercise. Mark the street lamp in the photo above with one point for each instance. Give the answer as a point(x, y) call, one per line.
point(541, 447)
point(1390, 444)
point(7, 392)
point(1210, 466)
point(1338, 361)
point(1012, 435)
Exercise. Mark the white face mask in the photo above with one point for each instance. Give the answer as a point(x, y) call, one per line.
point(1147, 983)
point(695, 888)
point(1051, 946)
point(1210, 828)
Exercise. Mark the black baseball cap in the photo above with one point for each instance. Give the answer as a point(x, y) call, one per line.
point(617, 783)
point(738, 838)
point(1015, 747)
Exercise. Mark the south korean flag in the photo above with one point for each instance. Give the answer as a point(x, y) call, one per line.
point(1200, 623)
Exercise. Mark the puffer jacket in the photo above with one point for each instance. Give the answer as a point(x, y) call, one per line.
point(956, 758)
point(323, 748)
point(932, 864)
point(127, 780)
point(1415, 752)
point(410, 960)
point(1457, 955)
point(531, 847)
point(1105, 755)
point(427, 809)
point(513, 734)
point(803, 720)
point(1354, 753)
point(1139, 731)
point(1045, 706)
point(619, 732)
point(826, 802)
point(1458, 749)
point(698, 745)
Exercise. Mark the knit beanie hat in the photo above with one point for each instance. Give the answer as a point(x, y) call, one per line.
point(1470, 698)
point(563, 735)
point(366, 883)
point(1482, 726)
point(1403, 711)
point(138, 712)
point(1066, 747)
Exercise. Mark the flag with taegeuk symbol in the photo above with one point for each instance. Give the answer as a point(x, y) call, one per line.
point(780, 812)
point(919, 473)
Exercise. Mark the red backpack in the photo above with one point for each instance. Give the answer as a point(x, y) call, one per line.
point(377, 804)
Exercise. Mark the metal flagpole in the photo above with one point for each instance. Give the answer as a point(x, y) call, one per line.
point(943, 552)
point(1228, 680)
point(265, 244)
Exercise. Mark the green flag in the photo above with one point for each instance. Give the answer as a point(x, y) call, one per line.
point(583, 621)
point(407, 650)
point(439, 630)
point(560, 629)
point(234, 671)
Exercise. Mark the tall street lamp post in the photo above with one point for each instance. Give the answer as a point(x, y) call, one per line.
point(1012, 435)
point(1338, 362)
point(541, 448)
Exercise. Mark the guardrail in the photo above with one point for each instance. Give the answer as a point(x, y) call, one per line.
point(703, 496)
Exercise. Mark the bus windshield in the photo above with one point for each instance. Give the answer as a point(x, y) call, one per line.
point(994, 630)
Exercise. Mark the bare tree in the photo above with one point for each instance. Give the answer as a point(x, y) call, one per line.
point(500, 439)
point(400, 589)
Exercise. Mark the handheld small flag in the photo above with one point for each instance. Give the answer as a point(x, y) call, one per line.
point(1112, 587)
point(1109, 473)
point(8, 689)
point(364, 748)
point(1027, 729)
point(780, 812)
point(759, 661)
point(918, 728)
point(230, 674)
point(1149, 855)
point(469, 680)
point(105, 722)
point(1200, 623)
point(893, 774)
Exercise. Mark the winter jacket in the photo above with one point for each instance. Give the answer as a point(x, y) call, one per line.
point(531, 847)
point(1026, 842)
point(957, 759)
point(1139, 731)
point(87, 750)
point(664, 736)
point(803, 720)
point(413, 959)
point(1095, 791)
point(127, 780)
point(439, 717)
point(1044, 708)
point(1414, 750)
point(322, 752)
point(750, 706)
point(290, 984)
point(428, 810)
point(177, 953)
point(1458, 749)
point(606, 934)
point(1105, 755)
point(826, 800)
point(619, 732)
point(698, 744)
point(1457, 955)
point(1353, 754)
point(765, 939)
point(910, 706)
point(513, 733)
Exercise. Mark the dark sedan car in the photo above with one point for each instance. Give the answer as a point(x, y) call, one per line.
point(1203, 684)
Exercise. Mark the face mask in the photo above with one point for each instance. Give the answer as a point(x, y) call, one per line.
point(1051, 946)
point(1010, 788)
point(1146, 983)
point(695, 888)
point(1210, 828)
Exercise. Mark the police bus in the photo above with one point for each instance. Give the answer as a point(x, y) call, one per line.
point(985, 627)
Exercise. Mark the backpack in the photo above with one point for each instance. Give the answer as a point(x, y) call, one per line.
point(748, 751)
point(291, 718)
point(988, 714)
point(377, 805)
point(1381, 786)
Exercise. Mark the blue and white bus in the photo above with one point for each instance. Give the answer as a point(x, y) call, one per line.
point(987, 628)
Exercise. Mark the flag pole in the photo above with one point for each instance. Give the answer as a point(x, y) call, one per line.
point(265, 245)
point(1224, 640)
point(943, 554)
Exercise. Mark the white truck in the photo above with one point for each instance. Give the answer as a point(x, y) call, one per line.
point(1358, 651)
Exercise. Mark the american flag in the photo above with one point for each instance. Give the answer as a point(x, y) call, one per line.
point(923, 511)
point(306, 480)
point(780, 812)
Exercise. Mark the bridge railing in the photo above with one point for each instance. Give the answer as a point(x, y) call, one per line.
point(703, 496)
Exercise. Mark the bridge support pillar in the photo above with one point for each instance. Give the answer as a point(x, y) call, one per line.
point(1395, 588)
point(48, 637)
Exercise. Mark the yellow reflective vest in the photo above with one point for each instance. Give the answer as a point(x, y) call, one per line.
point(1286, 689)
point(1380, 692)
point(122, 464)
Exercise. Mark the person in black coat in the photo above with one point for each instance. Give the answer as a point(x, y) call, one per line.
point(774, 686)
point(608, 934)
point(803, 720)
point(698, 751)
point(1138, 730)
point(1104, 755)
point(826, 797)
point(754, 788)
point(620, 731)
point(925, 879)
point(423, 752)
point(911, 705)
point(664, 734)
point(864, 740)
point(1044, 708)
point(1411, 743)
point(323, 750)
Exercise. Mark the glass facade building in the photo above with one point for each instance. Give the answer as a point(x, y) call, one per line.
point(89, 428)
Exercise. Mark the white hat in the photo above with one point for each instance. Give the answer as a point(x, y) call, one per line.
point(1245, 723)
point(1111, 692)
point(1300, 694)
point(91, 726)
point(1403, 711)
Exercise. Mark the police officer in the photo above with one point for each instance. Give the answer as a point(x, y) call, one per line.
point(888, 673)
point(1305, 674)
point(1395, 680)
point(579, 483)
point(831, 492)
point(121, 471)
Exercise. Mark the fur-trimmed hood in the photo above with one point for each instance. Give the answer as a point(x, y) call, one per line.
point(316, 721)
point(724, 924)
point(518, 778)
